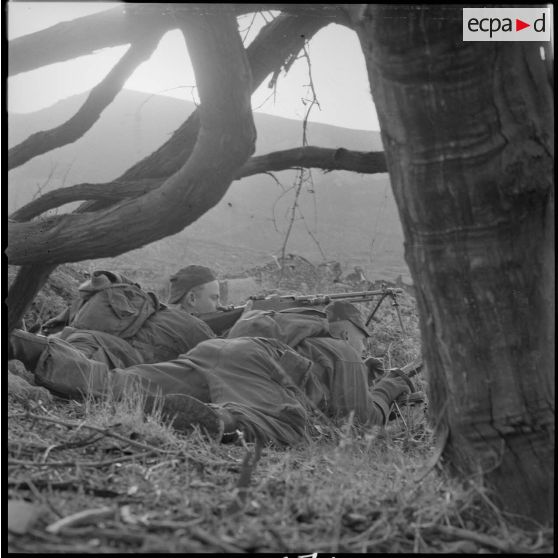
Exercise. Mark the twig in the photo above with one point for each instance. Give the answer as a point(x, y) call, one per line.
point(79, 518)
point(72, 445)
point(248, 466)
point(302, 172)
point(92, 532)
point(248, 29)
point(40, 497)
point(401, 415)
point(79, 443)
point(104, 431)
point(173, 525)
point(79, 463)
point(213, 540)
point(310, 233)
point(314, 100)
point(300, 181)
point(65, 485)
point(436, 457)
point(480, 538)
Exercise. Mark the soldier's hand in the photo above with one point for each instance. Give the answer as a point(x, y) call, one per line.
point(375, 369)
point(397, 373)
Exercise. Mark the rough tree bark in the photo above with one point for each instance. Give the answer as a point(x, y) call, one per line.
point(468, 135)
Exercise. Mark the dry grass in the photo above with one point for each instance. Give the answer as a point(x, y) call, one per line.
point(172, 493)
point(153, 490)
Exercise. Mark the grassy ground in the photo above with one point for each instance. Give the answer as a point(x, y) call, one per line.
point(145, 489)
point(94, 477)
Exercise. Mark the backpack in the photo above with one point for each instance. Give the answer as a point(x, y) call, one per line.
point(113, 304)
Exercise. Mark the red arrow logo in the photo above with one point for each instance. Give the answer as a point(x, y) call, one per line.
point(519, 25)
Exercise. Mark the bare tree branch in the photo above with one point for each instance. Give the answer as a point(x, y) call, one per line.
point(300, 179)
point(333, 12)
point(302, 157)
point(227, 135)
point(304, 175)
point(86, 191)
point(281, 38)
point(125, 24)
point(275, 42)
point(287, 35)
point(99, 98)
point(316, 157)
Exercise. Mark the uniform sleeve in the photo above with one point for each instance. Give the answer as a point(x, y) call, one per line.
point(379, 409)
point(386, 391)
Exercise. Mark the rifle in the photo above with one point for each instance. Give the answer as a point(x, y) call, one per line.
point(226, 316)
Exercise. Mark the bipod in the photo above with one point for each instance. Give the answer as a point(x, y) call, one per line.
point(393, 295)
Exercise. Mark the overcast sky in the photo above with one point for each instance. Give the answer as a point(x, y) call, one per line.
point(338, 71)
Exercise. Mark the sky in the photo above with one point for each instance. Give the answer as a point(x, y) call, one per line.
point(337, 65)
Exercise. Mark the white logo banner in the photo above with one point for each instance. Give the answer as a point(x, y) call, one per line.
point(507, 24)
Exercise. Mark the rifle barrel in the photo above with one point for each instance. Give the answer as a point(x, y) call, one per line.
point(226, 316)
point(330, 296)
point(360, 294)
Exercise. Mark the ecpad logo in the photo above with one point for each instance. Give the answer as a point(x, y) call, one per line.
point(507, 24)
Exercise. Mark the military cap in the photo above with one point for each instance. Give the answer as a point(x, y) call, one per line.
point(342, 310)
point(186, 279)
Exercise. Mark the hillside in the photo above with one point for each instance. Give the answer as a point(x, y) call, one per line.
point(347, 217)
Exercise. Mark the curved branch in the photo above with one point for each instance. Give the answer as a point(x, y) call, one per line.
point(316, 157)
point(123, 25)
point(333, 12)
point(71, 39)
point(281, 38)
point(113, 193)
point(274, 44)
point(302, 157)
point(227, 135)
point(99, 98)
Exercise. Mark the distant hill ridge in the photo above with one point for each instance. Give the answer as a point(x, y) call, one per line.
point(351, 217)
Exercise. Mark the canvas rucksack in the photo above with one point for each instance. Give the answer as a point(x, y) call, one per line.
point(112, 303)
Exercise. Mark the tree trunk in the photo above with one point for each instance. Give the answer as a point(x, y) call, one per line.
point(468, 130)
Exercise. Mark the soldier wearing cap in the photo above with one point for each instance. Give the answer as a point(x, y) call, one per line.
point(267, 387)
point(195, 289)
point(345, 322)
point(115, 329)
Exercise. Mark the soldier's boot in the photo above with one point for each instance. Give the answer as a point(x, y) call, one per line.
point(411, 397)
point(394, 386)
point(187, 412)
point(26, 347)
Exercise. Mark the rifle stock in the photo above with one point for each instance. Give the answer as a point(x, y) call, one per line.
point(223, 319)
